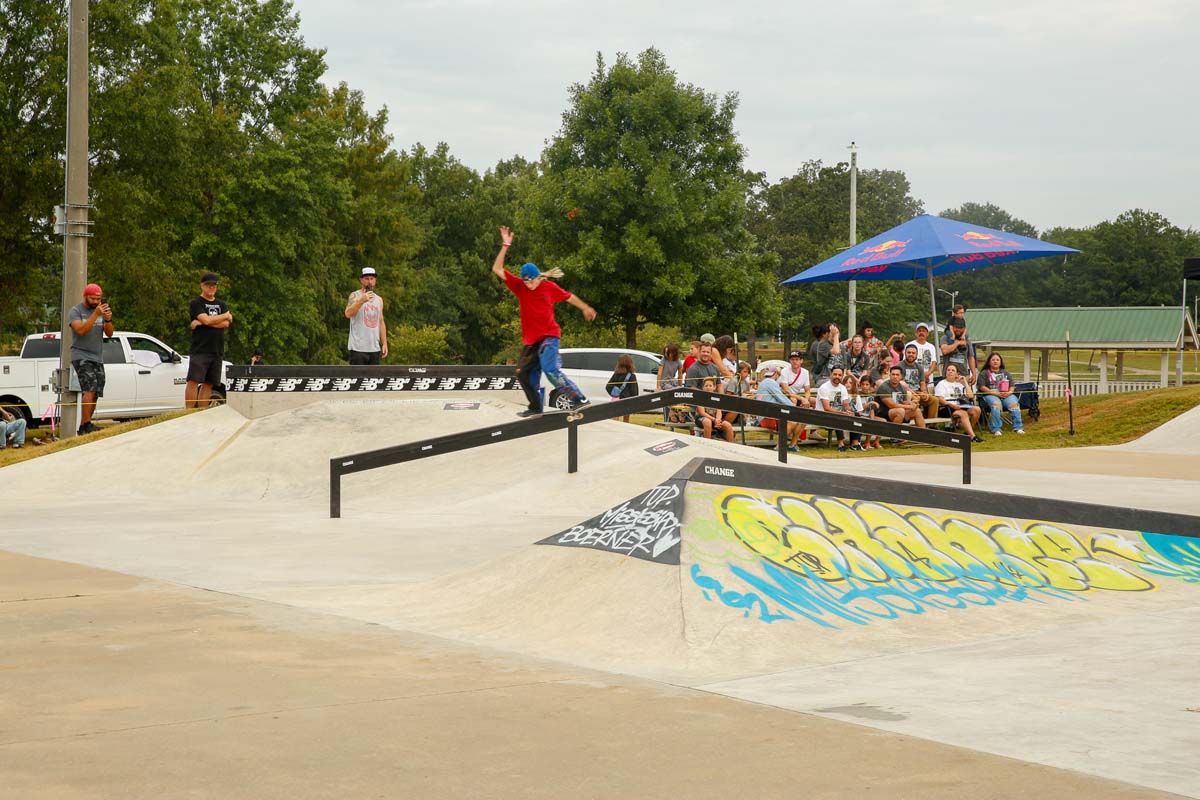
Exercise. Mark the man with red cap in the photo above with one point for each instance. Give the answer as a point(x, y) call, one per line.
point(90, 322)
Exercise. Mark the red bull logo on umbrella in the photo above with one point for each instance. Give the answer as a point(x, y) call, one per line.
point(884, 251)
point(987, 240)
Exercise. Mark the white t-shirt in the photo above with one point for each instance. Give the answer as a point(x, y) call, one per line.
point(793, 382)
point(951, 392)
point(927, 354)
point(833, 398)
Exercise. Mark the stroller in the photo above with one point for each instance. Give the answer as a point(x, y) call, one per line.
point(1027, 396)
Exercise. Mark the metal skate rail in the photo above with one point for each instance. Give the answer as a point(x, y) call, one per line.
point(573, 421)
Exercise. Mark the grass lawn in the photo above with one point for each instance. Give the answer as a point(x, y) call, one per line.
point(1099, 420)
point(10, 456)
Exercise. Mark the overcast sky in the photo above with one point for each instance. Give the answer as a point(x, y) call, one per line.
point(1062, 112)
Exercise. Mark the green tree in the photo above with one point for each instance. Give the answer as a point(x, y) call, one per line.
point(642, 201)
point(33, 48)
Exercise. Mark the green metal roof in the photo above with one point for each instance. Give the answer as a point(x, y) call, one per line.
point(1121, 327)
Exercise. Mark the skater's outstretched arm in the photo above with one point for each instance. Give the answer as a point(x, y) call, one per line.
point(506, 239)
point(589, 313)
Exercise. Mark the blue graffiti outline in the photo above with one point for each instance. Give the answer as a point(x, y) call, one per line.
point(857, 601)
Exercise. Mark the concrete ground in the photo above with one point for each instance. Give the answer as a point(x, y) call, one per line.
point(121, 687)
point(195, 625)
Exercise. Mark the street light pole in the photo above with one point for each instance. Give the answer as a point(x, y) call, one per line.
point(74, 214)
point(953, 297)
point(852, 300)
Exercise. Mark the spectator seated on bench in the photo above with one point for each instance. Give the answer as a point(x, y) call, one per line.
point(834, 398)
point(897, 401)
point(956, 400)
point(996, 394)
point(711, 420)
point(769, 391)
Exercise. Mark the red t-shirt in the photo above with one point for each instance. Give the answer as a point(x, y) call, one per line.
point(687, 362)
point(537, 307)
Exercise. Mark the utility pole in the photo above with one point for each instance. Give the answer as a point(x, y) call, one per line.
point(73, 216)
point(852, 300)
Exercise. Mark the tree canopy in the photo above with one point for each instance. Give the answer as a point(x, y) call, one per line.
point(643, 201)
point(217, 145)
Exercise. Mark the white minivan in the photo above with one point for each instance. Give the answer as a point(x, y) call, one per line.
point(591, 367)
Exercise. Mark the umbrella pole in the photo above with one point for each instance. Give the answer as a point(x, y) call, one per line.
point(932, 301)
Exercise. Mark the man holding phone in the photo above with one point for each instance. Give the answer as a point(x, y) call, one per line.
point(368, 332)
point(90, 322)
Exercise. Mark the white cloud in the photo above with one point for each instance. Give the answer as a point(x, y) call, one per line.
point(1063, 112)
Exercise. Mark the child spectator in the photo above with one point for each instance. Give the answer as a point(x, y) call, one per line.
point(712, 419)
point(868, 406)
point(693, 354)
point(895, 346)
point(739, 386)
point(622, 384)
point(871, 342)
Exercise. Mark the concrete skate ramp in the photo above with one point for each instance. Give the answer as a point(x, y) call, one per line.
point(1022, 627)
point(1057, 633)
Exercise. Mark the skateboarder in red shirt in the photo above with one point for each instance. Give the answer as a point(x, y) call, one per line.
point(539, 331)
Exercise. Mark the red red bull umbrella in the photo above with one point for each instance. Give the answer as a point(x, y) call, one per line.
point(925, 247)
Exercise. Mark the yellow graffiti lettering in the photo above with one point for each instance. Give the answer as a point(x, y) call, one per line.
point(833, 540)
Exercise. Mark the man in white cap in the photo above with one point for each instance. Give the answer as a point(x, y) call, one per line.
point(368, 333)
point(927, 352)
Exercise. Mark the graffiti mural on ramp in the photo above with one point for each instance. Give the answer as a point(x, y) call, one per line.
point(835, 562)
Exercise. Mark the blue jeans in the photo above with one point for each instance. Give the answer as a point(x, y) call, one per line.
point(15, 429)
point(539, 358)
point(995, 404)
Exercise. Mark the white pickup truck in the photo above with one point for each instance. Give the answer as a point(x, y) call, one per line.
point(142, 377)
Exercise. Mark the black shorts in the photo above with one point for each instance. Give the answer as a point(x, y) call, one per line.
point(361, 359)
point(90, 376)
point(204, 368)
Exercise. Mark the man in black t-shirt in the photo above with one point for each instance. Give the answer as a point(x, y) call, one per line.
point(210, 317)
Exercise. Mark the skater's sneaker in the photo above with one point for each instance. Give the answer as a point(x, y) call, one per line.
point(578, 404)
point(529, 412)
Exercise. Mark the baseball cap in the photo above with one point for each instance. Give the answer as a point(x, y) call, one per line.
point(368, 271)
point(795, 354)
point(769, 370)
point(708, 338)
point(92, 288)
point(529, 271)
point(922, 325)
point(209, 277)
